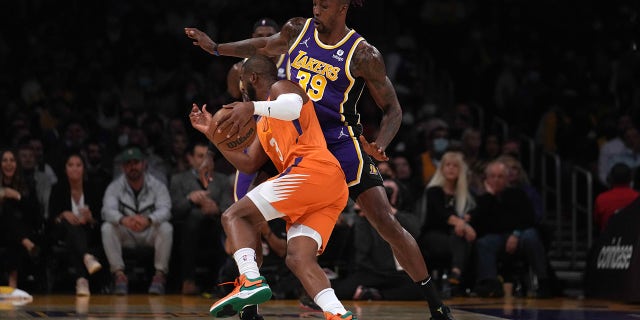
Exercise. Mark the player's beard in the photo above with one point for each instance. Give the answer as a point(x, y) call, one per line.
point(251, 92)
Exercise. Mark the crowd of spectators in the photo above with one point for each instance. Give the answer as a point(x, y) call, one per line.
point(93, 78)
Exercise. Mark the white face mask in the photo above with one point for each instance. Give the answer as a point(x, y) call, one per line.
point(440, 145)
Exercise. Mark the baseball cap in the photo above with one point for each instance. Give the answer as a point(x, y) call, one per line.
point(132, 153)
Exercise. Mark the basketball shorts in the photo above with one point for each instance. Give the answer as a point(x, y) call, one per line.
point(311, 194)
point(360, 170)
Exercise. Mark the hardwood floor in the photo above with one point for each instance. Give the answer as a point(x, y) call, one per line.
point(176, 306)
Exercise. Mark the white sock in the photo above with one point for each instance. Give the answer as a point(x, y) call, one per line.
point(246, 261)
point(328, 301)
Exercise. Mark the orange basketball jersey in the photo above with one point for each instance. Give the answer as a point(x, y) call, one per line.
point(288, 143)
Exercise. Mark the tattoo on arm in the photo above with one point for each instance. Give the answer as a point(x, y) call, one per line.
point(367, 63)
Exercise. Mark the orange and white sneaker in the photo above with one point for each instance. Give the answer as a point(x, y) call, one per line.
point(346, 316)
point(247, 292)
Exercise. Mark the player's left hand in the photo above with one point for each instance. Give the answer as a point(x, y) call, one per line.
point(200, 119)
point(200, 39)
point(373, 150)
point(231, 122)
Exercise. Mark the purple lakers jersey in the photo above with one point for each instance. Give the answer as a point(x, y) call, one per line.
point(323, 72)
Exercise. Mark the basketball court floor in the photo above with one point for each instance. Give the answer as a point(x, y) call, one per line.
point(176, 306)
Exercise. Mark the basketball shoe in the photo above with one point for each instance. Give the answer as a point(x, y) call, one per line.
point(247, 291)
point(442, 313)
point(346, 316)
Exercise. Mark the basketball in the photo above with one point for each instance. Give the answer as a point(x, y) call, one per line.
point(238, 141)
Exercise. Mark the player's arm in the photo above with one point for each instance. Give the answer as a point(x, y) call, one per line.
point(274, 45)
point(367, 63)
point(286, 103)
point(250, 161)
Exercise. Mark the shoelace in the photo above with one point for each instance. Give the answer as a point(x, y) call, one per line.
point(235, 282)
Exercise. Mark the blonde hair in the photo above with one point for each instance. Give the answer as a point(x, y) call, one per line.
point(464, 200)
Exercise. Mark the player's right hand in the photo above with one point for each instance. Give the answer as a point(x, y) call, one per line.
point(231, 122)
point(201, 39)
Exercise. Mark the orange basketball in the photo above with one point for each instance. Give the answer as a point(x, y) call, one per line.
point(238, 141)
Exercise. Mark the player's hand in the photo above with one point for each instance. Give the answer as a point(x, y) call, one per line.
point(200, 119)
point(200, 39)
point(373, 150)
point(231, 122)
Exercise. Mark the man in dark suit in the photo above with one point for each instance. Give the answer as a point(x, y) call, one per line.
point(198, 209)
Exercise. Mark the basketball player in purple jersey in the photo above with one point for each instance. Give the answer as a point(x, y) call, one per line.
point(333, 63)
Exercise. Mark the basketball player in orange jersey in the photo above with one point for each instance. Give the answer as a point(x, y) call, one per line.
point(333, 63)
point(263, 27)
point(309, 193)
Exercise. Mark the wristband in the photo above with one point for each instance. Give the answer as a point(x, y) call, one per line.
point(215, 50)
point(516, 233)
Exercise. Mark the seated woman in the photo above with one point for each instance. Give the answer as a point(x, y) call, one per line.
point(20, 216)
point(75, 211)
point(446, 202)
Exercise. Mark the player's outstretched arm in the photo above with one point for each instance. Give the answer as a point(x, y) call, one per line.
point(272, 46)
point(367, 63)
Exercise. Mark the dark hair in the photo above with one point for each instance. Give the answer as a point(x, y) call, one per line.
point(261, 65)
point(620, 174)
point(197, 142)
point(265, 22)
point(354, 3)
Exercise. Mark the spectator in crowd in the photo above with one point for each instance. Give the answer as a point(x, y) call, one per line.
point(511, 147)
point(630, 155)
point(97, 169)
point(178, 161)
point(444, 208)
point(504, 220)
point(517, 178)
point(436, 140)
point(491, 147)
point(198, 209)
point(20, 216)
point(612, 147)
point(75, 207)
point(377, 274)
point(41, 165)
point(617, 197)
point(471, 149)
point(136, 209)
point(37, 180)
point(412, 184)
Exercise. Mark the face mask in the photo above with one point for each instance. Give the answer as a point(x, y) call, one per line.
point(440, 144)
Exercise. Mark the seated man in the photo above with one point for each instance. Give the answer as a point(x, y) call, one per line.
point(136, 209)
point(199, 209)
point(504, 220)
